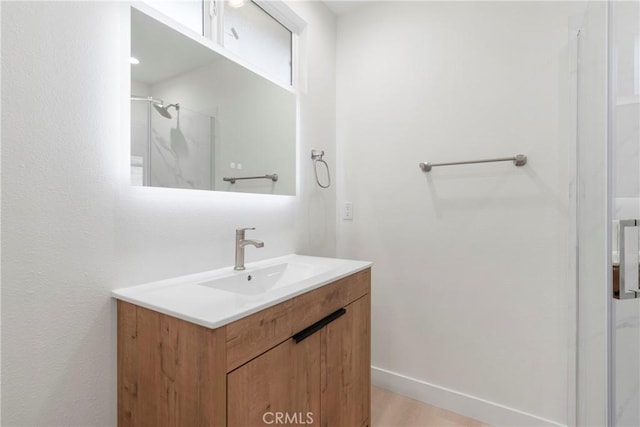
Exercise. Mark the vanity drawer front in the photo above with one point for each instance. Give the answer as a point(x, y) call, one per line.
point(253, 335)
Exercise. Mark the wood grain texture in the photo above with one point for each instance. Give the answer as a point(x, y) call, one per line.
point(393, 410)
point(127, 364)
point(170, 372)
point(283, 382)
point(346, 367)
point(255, 334)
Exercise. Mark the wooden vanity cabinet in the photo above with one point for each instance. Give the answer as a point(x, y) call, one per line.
point(346, 367)
point(322, 380)
point(284, 380)
point(305, 361)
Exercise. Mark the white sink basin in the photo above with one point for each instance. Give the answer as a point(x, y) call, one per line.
point(259, 280)
point(217, 297)
point(250, 283)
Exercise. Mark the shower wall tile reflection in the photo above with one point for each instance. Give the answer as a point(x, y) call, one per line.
point(139, 140)
point(181, 150)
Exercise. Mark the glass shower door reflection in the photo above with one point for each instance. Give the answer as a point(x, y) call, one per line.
point(624, 200)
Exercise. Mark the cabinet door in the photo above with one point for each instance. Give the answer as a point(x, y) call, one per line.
point(346, 367)
point(282, 386)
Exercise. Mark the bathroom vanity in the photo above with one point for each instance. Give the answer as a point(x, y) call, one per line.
point(287, 341)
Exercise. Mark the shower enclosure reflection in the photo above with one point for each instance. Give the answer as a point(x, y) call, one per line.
point(175, 143)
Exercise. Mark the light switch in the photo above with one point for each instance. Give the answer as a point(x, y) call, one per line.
point(347, 211)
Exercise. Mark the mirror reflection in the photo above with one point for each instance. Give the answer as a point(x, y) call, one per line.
point(201, 121)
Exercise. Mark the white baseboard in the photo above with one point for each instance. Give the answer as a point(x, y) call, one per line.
point(464, 404)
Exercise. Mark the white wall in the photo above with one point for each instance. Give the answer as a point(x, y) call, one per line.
point(0, 234)
point(471, 279)
point(590, 112)
point(315, 225)
point(73, 227)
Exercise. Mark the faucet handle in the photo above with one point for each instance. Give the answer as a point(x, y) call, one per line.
point(240, 232)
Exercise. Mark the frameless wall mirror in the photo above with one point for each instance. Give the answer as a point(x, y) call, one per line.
point(201, 121)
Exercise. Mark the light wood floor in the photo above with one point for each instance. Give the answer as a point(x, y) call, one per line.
point(393, 410)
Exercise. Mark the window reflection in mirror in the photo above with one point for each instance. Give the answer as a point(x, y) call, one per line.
point(199, 119)
point(189, 13)
point(256, 36)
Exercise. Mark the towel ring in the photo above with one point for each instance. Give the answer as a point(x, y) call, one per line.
point(316, 156)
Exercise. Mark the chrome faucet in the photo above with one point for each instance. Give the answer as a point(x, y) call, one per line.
point(241, 242)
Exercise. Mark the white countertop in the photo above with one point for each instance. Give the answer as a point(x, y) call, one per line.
point(187, 298)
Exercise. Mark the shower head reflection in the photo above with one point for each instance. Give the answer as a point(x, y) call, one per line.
point(164, 110)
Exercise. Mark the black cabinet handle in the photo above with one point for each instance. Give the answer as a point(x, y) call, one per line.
point(307, 332)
